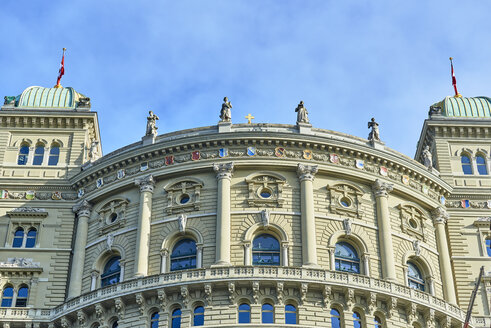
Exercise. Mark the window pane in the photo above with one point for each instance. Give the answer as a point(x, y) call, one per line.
point(265, 250)
point(31, 238)
point(335, 319)
point(54, 155)
point(267, 313)
point(415, 278)
point(244, 313)
point(183, 255)
point(38, 155)
point(111, 272)
point(356, 320)
point(8, 294)
point(115, 325)
point(290, 314)
point(22, 297)
point(466, 164)
point(23, 154)
point(378, 322)
point(176, 318)
point(154, 320)
point(199, 316)
point(488, 246)
point(346, 258)
point(481, 165)
point(18, 238)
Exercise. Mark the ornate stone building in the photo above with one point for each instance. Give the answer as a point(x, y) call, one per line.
point(241, 225)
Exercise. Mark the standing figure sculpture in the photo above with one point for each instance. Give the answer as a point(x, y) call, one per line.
point(151, 124)
point(374, 134)
point(93, 150)
point(302, 113)
point(427, 158)
point(226, 113)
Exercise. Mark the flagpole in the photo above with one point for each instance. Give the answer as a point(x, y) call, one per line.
point(61, 71)
point(454, 80)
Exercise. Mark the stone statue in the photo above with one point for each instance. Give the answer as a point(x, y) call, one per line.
point(417, 247)
point(8, 100)
point(93, 150)
point(427, 158)
point(374, 134)
point(226, 113)
point(302, 113)
point(265, 218)
point(110, 241)
point(151, 124)
point(347, 226)
point(182, 219)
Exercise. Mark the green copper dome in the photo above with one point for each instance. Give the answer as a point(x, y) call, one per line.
point(51, 98)
point(472, 107)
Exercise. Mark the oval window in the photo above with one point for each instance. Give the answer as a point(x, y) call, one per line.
point(113, 217)
point(345, 202)
point(265, 193)
point(184, 199)
point(413, 223)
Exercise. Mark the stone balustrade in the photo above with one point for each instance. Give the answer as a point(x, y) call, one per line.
point(238, 274)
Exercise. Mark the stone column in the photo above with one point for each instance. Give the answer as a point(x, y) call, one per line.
point(247, 254)
point(164, 254)
point(224, 176)
point(381, 190)
point(146, 185)
point(366, 263)
point(440, 217)
point(306, 175)
point(83, 210)
point(93, 282)
point(199, 256)
point(284, 253)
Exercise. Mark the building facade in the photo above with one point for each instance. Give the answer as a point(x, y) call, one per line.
point(241, 225)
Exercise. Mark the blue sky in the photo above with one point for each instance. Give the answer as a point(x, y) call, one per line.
point(347, 60)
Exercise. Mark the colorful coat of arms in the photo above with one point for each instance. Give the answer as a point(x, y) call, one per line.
point(334, 158)
point(169, 160)
point(223, 152)
point(196, 155)
point(251, 151)
point(383, 171)
point(307, 154)
point(279, 151)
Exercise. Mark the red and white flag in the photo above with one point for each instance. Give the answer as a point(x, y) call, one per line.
point(454, 80)
point(61, 72)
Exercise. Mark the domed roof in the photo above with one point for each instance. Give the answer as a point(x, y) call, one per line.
point(57, 98)
point(471, 107)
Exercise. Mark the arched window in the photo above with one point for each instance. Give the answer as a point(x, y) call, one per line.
point(7, 296)
point(488, 246)
point(176, 318)
point(265, 250)
point(290, 314)
point(356, 320)
point(414, 277)
point(22, 295)
point(378, 322)
point(18, 238)
point(244, 313)
point(346, 258)
point(111, 273)
point(199, 316)
point(335, 319)
point(38, 154)
point(54, 154)
point(154, 320)
point(23, 154)
point(115, 324)
point(31, 238)
point(466, 164)
point(481, 165)
point(267, 314)
point(183, 255)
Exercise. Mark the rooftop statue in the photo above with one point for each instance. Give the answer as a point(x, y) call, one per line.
point(427, 158)
point(226, 113)
point(374, 135)
point(151, 124)
point(94, 151)
point(302, 113)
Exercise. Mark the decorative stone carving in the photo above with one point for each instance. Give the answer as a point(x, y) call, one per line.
point(265, 190)
point(304, 288)
point(28, 209)
point(109, 241)
point(146, 183)
point(327, 295)
point(350, 298)
point(412, 315)
point(208, 293)
point(231, 291)
point(279, 292)
point(9, 100)
point(162, 296)
point(381, 188)
point(345, 200)
point(120, 307)
point(182, 219)
point(226, 111)
point(392, 307)
point(65, 323)
point(100, 313)
point(265, 218)
point(255, 291)
point(83, 102)
point(19, 262)
point(151, 124)
point(183, 196)
point(413, 221)
point(440, 215)
point(307, 172)
point(140, 300)
point(81, 318)
point(347, 226)
point(417, 247)
point(83, 208)
point(112, 215)
point(223, 170)
point(302, 113)
point(372, 303)
point(374, 134)
point(430, 318)
point(185, 296)
point(93, 151)
point(427, 158)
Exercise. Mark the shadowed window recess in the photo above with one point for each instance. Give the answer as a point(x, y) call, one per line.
point(346, 259)
point(111, 273)
point(265, 250)
point(183, 255)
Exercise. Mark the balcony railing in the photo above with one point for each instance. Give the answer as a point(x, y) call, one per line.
point(234, 274)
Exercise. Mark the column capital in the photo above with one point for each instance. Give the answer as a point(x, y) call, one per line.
point(306, 172)
point(223, 170)
point(164, 252)
point(146, 183)
point(381, 188)
point(83, 208)
point(439, 215)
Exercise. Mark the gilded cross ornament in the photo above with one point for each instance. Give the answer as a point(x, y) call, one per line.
point(249, 118)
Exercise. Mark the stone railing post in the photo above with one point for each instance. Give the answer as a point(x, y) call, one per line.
point(381, 190)
point(440, 217)
point(306, 175)
point(83, 210)
point(224, 176)
point(146, 185)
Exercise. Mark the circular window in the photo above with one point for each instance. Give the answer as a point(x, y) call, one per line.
point(345, 202)
point(413, 223)
point(184, 199)
point(265, 193)
point(113, 217)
